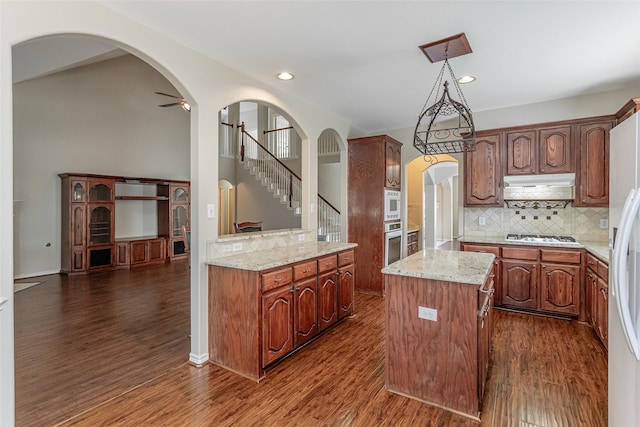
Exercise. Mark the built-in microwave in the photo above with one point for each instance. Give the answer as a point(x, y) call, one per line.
point(391, 205)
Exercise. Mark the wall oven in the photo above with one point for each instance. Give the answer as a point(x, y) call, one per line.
point(392, 242)
point(391, 205)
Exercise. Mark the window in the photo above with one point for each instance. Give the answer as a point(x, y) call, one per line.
point(280, 142)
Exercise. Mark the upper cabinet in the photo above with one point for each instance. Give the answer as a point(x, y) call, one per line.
point(540, 151)
point(592, 186)
point(393, 160)
point(483, 171)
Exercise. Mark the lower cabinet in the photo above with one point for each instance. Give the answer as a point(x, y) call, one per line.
point(140, 252)
point(598, 297)
point(259, 317)
point(547, 280)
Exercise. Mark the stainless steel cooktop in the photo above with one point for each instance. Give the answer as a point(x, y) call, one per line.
point(538, 238)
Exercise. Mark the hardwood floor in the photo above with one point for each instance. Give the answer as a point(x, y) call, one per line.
point(131, 369)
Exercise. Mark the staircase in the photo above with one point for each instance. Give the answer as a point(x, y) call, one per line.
point(286, 185)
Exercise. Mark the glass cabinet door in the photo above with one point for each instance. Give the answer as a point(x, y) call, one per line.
point(78, 191)
point(180, 218)
point(100, 225)
point(179, 195)
point(100, 192)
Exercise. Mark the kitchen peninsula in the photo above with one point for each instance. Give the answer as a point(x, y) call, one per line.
point(438, 318)
point(264, 305)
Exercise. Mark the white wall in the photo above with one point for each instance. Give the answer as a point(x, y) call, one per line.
point(102, 118)
point(329, 183)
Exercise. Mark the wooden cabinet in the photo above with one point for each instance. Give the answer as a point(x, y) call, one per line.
point(413, 242)
point(597, 288)
point(540, 151)
point(259, 317)
point(592, 180)
point(327, 291)
point(89, 204)
point(520, 284)
point(277, 324)
point(442, 362)
point(345, 283)
point(393, 161)
point(374, 164)
point(483, 172)
point(546, 280)
point(179, 214)
point(497, 266)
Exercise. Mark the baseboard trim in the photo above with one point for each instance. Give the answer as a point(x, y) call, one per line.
point(35, 274)
point(198, 360)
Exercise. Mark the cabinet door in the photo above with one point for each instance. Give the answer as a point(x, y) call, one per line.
point(522, 153)
point(591, 287)
point(345, 291)
point(156, 250)
point(520, 284)
point(78, 191)
point(139, 253)
point(602, 298)
point(593, 179)
point(78, 224)
point(122, 254)
point(306, 311)
point(393, 164)
point(560, 292)
point(101, 190)
point(483, 173)
point(556, 153)
point(277, 324)
point(327, 299)
point(100, 226)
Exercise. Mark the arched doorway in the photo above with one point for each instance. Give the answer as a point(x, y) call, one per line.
point(331, 192)
point(95, 127)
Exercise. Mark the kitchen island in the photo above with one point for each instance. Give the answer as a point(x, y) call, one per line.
point(265, 305)
point(438, 318)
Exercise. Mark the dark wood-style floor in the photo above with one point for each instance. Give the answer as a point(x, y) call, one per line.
point(111, 350)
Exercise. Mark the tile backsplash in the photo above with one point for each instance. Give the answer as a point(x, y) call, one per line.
point(235, 244)
point(581, 223)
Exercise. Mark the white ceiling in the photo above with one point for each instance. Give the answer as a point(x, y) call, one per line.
point(361, 58)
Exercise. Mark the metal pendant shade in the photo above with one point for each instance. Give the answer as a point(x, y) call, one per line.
point(446, 126)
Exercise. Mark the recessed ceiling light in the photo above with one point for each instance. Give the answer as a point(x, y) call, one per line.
point(466, 79)
point(285, 76)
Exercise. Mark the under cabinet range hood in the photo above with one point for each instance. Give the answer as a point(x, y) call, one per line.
point(548, 180)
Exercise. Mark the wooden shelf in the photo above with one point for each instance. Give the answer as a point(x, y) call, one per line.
point(142, 198)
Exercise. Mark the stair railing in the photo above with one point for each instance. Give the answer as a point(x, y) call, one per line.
point(276, 175)
point(328, 221)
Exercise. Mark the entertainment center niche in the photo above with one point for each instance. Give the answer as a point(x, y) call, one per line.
point(116, 222)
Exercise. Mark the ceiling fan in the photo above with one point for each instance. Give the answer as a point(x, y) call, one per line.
point(181, 102)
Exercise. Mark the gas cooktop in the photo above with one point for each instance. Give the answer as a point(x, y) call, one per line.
point(538, 238)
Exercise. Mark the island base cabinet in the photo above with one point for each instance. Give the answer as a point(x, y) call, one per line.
point(436, 360)
point(277, 324)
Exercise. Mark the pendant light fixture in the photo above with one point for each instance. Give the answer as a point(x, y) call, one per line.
point(445, 126)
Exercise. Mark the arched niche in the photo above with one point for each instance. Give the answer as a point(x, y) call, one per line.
point(332, 167)
point(261, 154)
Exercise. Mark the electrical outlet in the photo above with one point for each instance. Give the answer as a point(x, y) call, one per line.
point(482, 221)
point(237, 246)
point(604, 223)
point(300, 237)
point(428, 313)
point(226, 248)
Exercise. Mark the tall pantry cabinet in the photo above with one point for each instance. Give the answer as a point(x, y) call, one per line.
point(374, 165)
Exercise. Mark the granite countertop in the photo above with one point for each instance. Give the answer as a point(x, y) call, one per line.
point(276, 257)
point(448, 266)
point(599, 249)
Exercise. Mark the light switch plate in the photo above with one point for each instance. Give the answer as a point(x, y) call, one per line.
point(211, 210)
point(482, 221)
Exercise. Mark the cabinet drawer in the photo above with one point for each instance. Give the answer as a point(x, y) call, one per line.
point(327, 263)
point(520, 253)
point(482, 248)
point(304, 270)
point(345, 258)
point(276, 279)
point(592, 262)
point(568, 257)
point(603, 270)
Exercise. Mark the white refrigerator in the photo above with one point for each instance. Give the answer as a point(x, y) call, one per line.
point(624, 274)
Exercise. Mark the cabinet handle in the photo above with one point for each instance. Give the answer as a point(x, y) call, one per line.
point(483, 252)
point(306, 270)
point(278, 279)
point(297, 288)
point(543, 266)
point(584, 201)
point(337, 273)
